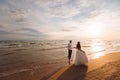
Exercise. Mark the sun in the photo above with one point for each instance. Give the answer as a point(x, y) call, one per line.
point(95, 29)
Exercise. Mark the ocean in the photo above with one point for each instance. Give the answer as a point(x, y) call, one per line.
point(18, 56)
point(89, 46)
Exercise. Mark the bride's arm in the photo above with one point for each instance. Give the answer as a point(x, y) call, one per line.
point(83, 51)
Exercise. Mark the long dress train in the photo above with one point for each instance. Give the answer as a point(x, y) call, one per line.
point(80, 58)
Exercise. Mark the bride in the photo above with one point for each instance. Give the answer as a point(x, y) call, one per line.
point(80, 57)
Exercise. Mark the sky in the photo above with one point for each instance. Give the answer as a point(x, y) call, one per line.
point(59, 19)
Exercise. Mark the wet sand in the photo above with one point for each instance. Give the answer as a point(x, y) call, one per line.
point(29, 64)
point(34, 64)
point(104, 68)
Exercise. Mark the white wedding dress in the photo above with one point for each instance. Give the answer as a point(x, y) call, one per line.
point(80, 58)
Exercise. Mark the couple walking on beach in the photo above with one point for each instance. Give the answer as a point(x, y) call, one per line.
point(79, 57)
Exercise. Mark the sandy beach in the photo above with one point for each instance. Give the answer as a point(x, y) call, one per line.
point(29, 64)
point(104, 68)
point(45, 61)
point(30, 67)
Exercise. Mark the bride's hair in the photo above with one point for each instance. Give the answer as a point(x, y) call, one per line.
point(78, 46)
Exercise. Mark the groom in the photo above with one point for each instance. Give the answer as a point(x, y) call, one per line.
point(69, 46)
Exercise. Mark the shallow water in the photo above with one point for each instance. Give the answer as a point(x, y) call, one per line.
point(20, 56)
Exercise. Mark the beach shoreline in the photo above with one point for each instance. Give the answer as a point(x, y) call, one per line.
point(27, 64)
point(105, 64)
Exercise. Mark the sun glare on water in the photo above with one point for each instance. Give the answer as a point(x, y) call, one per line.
point(97, 49)
point(98, 53)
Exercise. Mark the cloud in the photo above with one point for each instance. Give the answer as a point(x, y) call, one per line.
point(66, 30)
point(19, 15)
point(39, 18)
point(70, 8)
point(25, 33)
point(4, 32)
point(58, 8)
point(69, 29)
point(1, 26)
point(63, 11)
point(28, 30)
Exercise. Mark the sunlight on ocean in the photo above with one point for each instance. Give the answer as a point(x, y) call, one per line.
point(20, 56)
point(95, 46)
